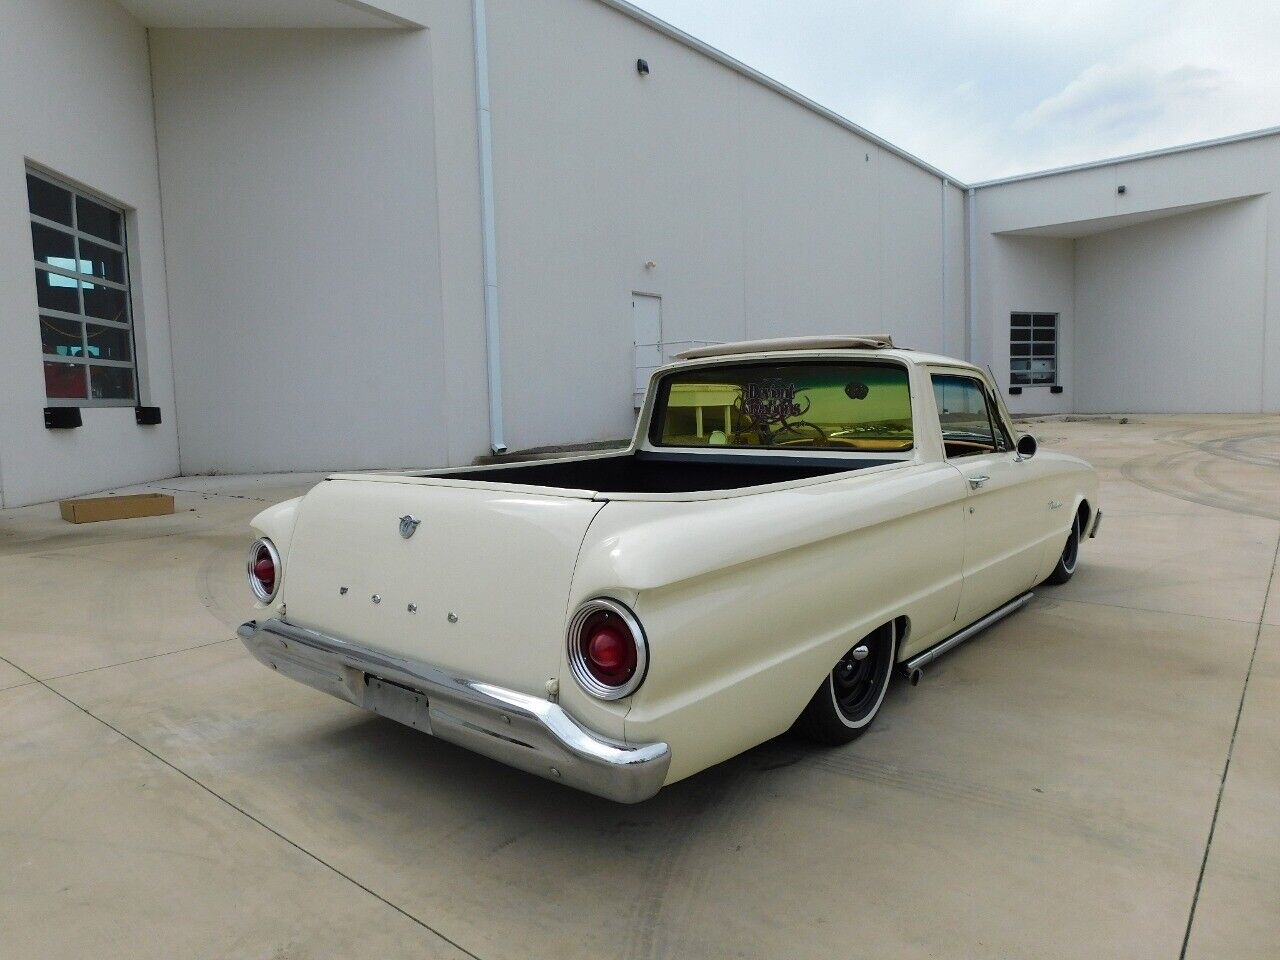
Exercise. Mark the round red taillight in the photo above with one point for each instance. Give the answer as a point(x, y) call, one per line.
point(264, 570)
point(607, 650)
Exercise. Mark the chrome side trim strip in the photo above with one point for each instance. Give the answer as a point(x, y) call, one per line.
point(922, 660)
point(523, 731)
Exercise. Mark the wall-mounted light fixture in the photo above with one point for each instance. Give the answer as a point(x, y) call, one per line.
point(642, 67)
point(62, 418)
point(1121, 189)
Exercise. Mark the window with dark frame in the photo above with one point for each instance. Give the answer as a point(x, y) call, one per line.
point(82, 291)
point(1033, 349)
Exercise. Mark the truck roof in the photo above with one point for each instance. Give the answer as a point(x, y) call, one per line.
point(860, 343)
point(863, 341)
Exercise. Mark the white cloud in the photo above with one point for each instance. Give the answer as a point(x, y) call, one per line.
point(1120, 100)
point(985, 88)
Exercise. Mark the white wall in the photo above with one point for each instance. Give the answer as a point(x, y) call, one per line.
point(77, 100)
point(305, 265)
point(763, 218)
point(299, 173)
point(1177, 313)
point(322, 213)
point(1032, 275)
point(1170, 314)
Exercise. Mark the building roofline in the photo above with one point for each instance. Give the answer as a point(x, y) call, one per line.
point(659, 25)
point(1129, 158)
point(688, 40)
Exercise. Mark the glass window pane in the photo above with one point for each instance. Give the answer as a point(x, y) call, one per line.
point(1019, 379)
point(60, 337)
point(111, 383)
point(99, 261)
point(64, 381)
point(1045, 335)
point(1020, 319)
point(1046, 319)
point(53, 246)
point(98, 290)
point(109, 343)
point(56, 292)
point(962, 413)
point(1020, 336)
point(107, 303)
point(96, 219)
point(46, 200)
point(1019, 349)
point(844, 405)
point(1045, 349)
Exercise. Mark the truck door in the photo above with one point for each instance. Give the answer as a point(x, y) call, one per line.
point(1003, 509)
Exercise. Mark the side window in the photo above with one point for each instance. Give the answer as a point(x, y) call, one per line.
point(969, 427)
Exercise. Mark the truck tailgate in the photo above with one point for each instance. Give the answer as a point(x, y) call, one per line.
point(479, 588)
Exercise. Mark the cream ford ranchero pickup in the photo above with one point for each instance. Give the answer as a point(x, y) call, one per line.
point(793, 521)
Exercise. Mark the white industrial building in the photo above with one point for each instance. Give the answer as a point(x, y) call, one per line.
point(313, 234)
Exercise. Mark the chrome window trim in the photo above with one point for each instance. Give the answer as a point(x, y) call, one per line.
point(577, 663)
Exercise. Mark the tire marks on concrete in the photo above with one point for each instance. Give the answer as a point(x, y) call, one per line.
point(1189, 467)
point(676, 877)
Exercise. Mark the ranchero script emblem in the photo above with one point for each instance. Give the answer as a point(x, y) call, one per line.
point(408, 525)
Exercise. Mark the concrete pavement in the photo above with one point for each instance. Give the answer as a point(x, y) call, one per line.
point(1048, 791)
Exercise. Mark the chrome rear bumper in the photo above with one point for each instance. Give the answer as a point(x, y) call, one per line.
point(522, 731)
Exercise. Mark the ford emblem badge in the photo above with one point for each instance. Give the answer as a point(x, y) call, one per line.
point(408, 525)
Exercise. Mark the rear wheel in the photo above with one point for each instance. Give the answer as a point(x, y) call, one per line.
point(1070, 555)
point(850, 697)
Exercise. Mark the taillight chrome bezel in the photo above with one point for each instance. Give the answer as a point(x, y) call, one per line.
point(577, 660)
point(255, 585)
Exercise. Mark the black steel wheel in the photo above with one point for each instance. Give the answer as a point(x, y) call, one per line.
point(1070, 555)
point(848, 700)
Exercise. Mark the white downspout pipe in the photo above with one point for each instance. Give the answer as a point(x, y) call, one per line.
point(971, 258)
point(946, 260)
point(488, 227)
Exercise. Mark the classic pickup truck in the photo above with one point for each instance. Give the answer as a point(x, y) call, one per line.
point(794, 522)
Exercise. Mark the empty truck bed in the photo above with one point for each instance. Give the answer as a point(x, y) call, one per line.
point(665, 473)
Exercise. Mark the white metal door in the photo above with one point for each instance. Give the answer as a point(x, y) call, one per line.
point(646, 318)
point(1006, 518)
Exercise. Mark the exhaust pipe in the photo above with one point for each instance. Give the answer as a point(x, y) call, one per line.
point(913, 669)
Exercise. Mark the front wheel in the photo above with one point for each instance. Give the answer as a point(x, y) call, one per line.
point(847, 702)
point(1070, 556)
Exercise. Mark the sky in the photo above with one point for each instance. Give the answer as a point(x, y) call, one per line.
point(991, 88)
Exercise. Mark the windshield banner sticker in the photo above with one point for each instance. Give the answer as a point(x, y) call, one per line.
point(770, 401)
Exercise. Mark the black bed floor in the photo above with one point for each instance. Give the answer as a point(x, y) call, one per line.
point(641, 473)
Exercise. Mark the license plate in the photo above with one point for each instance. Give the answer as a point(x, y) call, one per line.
point(397, 703)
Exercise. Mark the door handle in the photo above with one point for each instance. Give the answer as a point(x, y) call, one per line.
point(976, 482)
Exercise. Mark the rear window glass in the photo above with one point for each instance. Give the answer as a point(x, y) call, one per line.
point(858, 406)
